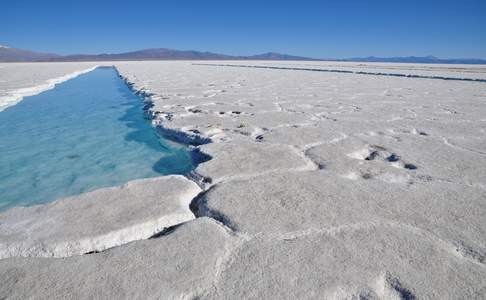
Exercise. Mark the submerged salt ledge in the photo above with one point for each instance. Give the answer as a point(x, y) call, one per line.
point(14, 96)
point(286, 206)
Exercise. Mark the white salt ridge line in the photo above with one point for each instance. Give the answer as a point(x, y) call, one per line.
point(15, 96)
point(100, 242)
point(28, 231)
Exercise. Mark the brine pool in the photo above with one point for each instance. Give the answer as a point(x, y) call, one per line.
point(86, 133)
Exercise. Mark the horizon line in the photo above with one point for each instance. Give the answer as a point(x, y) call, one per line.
point(429, 56)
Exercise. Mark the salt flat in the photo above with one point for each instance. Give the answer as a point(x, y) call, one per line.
point(475, 72)
point(321, 185)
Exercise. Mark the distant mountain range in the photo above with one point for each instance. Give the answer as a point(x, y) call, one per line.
point(8, 54)
point(17, 55)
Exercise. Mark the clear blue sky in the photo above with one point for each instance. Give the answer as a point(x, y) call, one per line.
point(323, 29)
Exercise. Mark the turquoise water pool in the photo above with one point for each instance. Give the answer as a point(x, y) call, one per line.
point(86, 133)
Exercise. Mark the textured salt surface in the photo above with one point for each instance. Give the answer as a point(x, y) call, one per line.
point(97, 220)
point(178, 266)
point(424, 70)
point(379, 72)
point(341, 186)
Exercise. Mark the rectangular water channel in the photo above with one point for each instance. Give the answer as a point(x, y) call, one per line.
point(86, 133)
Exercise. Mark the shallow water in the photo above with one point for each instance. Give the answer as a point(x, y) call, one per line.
point(86, 133)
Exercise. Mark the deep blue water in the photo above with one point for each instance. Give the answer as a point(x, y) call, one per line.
point(86, 133)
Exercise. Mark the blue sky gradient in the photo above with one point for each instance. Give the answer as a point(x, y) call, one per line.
point(321, 29)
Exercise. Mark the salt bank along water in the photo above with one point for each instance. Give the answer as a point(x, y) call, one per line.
point(86, 133)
